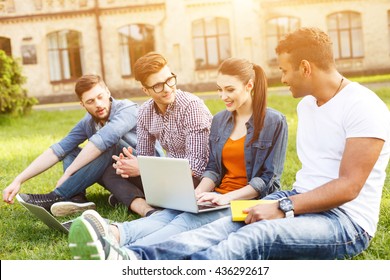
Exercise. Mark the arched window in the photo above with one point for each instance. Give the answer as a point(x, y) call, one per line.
point(211, 42)
point(5, 45)
point(276, 29)
point(65, 52)
point(345, 30)
point(135, 40)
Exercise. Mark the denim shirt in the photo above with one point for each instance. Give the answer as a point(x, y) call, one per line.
point(264, 159)
point(121, 128)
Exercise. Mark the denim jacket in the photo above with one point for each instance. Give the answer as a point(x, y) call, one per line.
point(264, 159)
point(121, 128)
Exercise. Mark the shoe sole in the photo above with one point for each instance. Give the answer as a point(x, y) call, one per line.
point(65, 208)
point(99, 223)
point(83, 241)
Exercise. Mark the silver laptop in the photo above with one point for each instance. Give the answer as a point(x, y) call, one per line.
point(42, 214)
point(167, 183)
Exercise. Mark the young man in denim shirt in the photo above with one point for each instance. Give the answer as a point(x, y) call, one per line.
point(109, 125)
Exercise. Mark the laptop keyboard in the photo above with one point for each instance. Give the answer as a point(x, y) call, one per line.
point(206, 206)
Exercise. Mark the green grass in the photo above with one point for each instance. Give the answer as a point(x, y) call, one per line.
point(371, 79)
point(360, 79)
point(22, 139)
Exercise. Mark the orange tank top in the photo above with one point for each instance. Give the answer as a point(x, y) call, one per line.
point(233, 159)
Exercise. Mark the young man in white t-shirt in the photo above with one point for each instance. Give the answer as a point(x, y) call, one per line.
point(332, 211)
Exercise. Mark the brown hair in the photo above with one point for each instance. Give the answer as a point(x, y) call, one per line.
point(311, 44)
point(244, 71)
point(147, 65)
point(86, 82)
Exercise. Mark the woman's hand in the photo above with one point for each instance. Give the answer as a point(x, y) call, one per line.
point(215, 198)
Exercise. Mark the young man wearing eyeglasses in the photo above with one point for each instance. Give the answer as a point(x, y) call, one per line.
point(179, 120)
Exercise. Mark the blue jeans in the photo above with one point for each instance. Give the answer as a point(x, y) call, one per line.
point(327, 235)
point(85, 176)
point(161, 226)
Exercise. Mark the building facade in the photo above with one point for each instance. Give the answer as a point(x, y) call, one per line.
point(59, 40)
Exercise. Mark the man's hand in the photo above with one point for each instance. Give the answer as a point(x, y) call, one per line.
point(126, 164)
point(260, 212)
point(10, 192)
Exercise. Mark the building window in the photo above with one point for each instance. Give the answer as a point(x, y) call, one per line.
point(65, 52)
point(211, 42)
point(7, 6)
point(135, 41)
point(388, 28)
point(5, 45)
point(345, 30)
point(276, 29)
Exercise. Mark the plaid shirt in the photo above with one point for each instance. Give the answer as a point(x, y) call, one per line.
point(183, 131)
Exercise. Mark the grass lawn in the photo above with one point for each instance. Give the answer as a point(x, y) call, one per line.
point(22, 139)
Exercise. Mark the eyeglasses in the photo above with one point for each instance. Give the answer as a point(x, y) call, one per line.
point(159, 87)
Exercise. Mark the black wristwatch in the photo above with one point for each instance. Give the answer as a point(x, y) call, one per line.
point(286, 205)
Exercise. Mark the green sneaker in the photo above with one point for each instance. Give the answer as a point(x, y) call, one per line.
point(90, 239)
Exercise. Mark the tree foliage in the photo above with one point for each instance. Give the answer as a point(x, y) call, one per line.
point(13, 97)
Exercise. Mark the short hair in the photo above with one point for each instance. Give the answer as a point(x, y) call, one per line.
point(147, 65)
point(308, 43)
point(87, 82)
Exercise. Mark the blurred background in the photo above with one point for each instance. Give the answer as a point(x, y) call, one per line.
point(56, 41)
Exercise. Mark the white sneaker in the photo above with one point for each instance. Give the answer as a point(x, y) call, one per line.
point(65, 208)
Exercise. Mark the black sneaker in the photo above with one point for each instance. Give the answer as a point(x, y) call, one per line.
point(43, 200)
point(79, 198)
point(113, 201)
point(152, 212)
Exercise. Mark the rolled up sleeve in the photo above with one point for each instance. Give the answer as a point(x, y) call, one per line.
point(74, 138)
point(271, 169)
point(122, 121)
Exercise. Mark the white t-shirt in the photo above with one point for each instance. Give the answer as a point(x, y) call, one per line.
point(322, 132)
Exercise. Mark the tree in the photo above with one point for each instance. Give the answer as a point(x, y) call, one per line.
point(13, 97)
